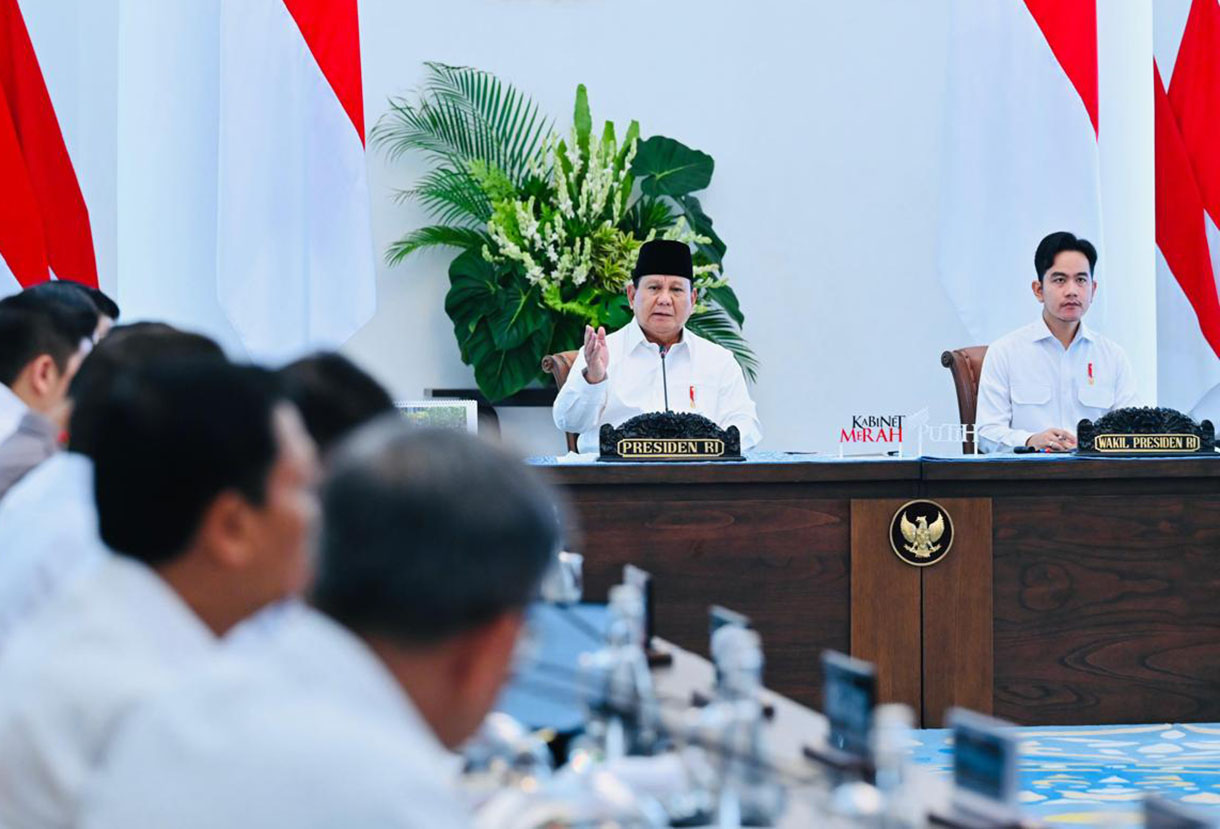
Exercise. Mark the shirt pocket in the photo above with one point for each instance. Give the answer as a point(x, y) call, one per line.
point(1096, 397)
point(1030, 394)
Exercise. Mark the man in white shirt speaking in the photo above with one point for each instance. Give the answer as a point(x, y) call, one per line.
point(1039, 381)
point(653, 361)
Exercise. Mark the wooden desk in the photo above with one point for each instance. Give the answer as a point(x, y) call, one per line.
point(1077, 591)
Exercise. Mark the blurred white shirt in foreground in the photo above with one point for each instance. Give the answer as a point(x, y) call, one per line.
point(68, 678)
point(301, 726)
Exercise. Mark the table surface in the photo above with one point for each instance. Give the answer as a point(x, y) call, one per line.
point(1069, 776)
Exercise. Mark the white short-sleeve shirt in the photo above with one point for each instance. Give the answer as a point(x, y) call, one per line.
point(1030, 383)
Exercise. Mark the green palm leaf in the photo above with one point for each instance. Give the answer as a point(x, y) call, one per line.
point(507, 128)
point(451, 196)
point(716, 325)
point(466, 115)
point(436, 236)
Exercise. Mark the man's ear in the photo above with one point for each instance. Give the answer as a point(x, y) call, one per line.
point(1093, 293)
point(43, 374)
point(1037, 286)
point(226, 530)
point(631, 293)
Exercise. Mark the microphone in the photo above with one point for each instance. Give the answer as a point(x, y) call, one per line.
point(664, 380)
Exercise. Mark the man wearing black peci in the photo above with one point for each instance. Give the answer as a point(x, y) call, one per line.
point(618, 376)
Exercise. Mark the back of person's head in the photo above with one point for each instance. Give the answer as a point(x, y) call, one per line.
point(126, 348)
point(177, 436)
point(64, 300)
point(27, 334)
point(429, 533)
point(1056, 243)
point(333, 395)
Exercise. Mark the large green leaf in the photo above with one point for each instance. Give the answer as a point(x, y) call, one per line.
point(714, 324)
point(701, 223)
point(726, 298)
point(582, 119)
point(501, 373)
point(473, 287)
point(666, 167)
point(517, 315)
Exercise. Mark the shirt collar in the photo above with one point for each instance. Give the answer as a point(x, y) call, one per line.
point(354, 673)
point(11, 404)
point(1039, 330)
point(163, 616)
point(635, 337)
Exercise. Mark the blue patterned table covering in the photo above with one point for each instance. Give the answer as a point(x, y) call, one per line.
point(1097, 775)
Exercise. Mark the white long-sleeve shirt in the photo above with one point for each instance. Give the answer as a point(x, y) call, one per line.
point(702, 377)
point(303, 727)
point(1031, 383)
point(110, 641)
point(48, 537)
point(12, 409)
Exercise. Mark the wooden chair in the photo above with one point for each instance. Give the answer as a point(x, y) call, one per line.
point(966, 366)
point(559, 365)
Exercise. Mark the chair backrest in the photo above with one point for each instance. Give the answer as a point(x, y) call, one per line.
point(559, 365)
point(966, 366)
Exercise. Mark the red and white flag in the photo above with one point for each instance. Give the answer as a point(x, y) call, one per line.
point(294, 240)
point(1020, 151)
point(1188, 213)
point(44, 225)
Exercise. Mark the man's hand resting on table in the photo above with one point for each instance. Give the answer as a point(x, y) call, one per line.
point(1053, 440)
point(597, 356)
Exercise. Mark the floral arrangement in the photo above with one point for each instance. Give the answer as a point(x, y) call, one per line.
point(548, 226)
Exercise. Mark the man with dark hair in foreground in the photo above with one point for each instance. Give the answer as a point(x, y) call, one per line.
point(48, 522)
point(1039, 381)
point(433, 544)
point(204, 486)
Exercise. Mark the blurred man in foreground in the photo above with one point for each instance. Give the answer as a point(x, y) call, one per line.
point(433, 544)
point(204, 486)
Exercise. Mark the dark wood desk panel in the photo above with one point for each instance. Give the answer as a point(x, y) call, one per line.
point(769, 540)
point(782, 562)
point(1105, 575)
point(1107, 608)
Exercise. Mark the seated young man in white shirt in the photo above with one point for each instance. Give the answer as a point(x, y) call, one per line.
point(619, 376)
point(204, 485)
point(41, 347)
point(432, 545)
point(1040, 381)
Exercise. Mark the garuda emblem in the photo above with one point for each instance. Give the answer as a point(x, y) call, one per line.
point(921, 533)
point(921, 536)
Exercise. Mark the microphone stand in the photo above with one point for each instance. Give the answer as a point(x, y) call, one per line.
point(664, 379)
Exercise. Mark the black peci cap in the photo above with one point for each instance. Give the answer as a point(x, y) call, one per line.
point(664, 257)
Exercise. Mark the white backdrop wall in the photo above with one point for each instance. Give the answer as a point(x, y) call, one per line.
point(824, 119)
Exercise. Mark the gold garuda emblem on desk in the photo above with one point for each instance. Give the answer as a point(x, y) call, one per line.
point(921, 533)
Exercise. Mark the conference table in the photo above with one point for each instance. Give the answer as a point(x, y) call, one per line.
point(1077, 591)
point(1095, 775)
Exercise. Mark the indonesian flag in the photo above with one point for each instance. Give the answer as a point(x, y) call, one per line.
point(294, 241)
point(44, 225)
point(1020, 151)
point(1187, 215)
